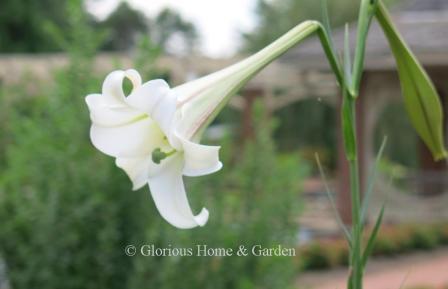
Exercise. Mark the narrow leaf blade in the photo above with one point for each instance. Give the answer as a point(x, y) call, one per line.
point(347, 57)
point(371, 242)
point(371, 180)
point(332, 202)
point(348, 129)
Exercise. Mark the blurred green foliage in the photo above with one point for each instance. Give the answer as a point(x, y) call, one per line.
point(23, 25)
point(29, 27)
point(392, 241)
point(169, 25)
point(123, 25)
point(309, 126)
point(168, 30)
point(63, 212)
point(67, 213)
point(275, 17)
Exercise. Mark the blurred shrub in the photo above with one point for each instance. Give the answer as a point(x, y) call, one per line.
point(424, 238)
point(391, 241)
point(442, 233)
point(318, 256)
point(324, 255)
point(63, 213)
point(316, 134)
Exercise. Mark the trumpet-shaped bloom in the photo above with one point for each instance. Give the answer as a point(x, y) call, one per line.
point(153, 132)
point(139, 130)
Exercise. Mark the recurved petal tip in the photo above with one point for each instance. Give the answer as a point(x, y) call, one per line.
point(168, 191)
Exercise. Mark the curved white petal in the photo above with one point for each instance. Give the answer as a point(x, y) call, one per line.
point(164, 112)
point(94, 100)
point(137, 169)
point(167, 190)
point(146, 97)
point(200, 159)
point(158, 101)
point(134, 77)
point(105, 115)
point(134, 139)
point(112, 90)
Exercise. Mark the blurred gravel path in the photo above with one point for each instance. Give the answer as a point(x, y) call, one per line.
point(418, 269)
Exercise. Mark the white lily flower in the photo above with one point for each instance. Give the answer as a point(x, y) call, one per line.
point(154, 131)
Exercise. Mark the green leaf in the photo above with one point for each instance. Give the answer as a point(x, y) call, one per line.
point(347, 116)
point(350, 281)
point(326, 38)
point(420, 96)
point(371, 180)
point(347, 57)
point(348, 128)
point(344, 229)
point(372, 238)
point(348, 103)
point(326, 19)
point(330, 52)
point(366, 13)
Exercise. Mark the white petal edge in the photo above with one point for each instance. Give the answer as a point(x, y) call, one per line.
point(158, 101)
point(134, 77)
point(103, 114)
point(112, 89)
point(146, 97)
point(200, 159)
point(137, 169)
point(168, 192)
point(164, 115)
point(134, 139)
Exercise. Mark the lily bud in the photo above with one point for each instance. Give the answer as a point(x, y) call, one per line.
point(420, 96)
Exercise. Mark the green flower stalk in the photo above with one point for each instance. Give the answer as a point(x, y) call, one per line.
point(424, 109)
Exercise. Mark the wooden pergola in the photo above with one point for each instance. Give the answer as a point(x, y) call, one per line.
point(424, 25)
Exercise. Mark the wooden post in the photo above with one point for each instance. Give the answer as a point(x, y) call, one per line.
point(250, 95)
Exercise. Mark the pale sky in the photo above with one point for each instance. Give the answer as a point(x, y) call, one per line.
point(218, 21)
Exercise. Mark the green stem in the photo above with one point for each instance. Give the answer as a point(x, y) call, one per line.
point(355, 281)
point(357, 226)
point(367, 11)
